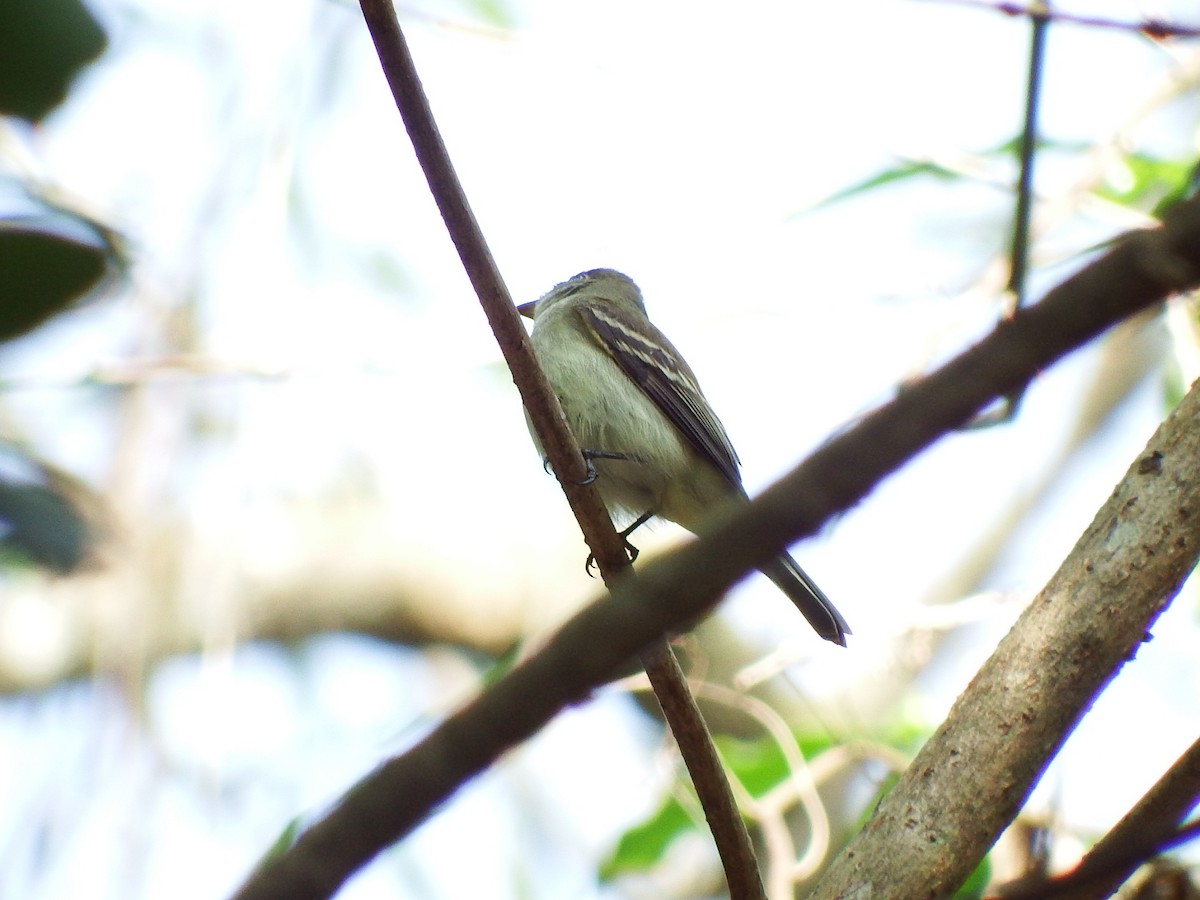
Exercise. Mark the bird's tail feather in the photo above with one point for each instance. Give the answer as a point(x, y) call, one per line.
point(809, 599)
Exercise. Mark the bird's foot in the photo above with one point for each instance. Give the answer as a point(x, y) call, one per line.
point(588, 455)
point(630, 550)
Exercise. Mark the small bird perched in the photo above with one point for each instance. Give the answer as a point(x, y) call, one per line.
point(637, 410)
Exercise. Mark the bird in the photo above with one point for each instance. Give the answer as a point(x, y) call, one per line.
point(634, 405)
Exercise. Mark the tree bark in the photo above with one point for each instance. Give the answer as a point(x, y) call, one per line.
point(974, 774)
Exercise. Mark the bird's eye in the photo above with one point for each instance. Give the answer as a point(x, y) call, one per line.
point(574, 284)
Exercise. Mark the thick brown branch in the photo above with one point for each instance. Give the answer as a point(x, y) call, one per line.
point(974, 774)
point(671, 591)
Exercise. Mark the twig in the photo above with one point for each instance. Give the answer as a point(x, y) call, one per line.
point(1018, 257)
point(1142, 834)
point(1152, 28)
point(1138, 272)
point(1097, 882)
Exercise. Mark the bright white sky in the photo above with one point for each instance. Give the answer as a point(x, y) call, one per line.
point(252, 154)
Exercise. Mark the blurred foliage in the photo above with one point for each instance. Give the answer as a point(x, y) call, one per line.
point(47, 516)
point(47, 261)
point(976, 885)
point(902, 171)
point(1138, 181)
point(905, 170)
point(1148, 183)
point(496, 668)
point(758, 764)
point(493, 12)
point(49, 258)
point(643, 846)
point(287, 837)
point(42, 526)
point(43, 45)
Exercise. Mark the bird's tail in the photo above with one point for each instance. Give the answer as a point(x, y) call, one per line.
point(809, 599)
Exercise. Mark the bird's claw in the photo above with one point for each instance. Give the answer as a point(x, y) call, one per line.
point(632, 551)
point(588, 455)
point(590, 472)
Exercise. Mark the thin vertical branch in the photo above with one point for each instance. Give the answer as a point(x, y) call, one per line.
point(1018, 257)
point(670, 686)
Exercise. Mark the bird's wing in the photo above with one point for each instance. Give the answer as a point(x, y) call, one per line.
point(652, 362)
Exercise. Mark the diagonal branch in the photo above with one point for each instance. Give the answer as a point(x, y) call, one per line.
point(670, 686)
point(1140, 271)
point(972, 777)
point(1153, 820)
point(1095, 883)
point(1145, 831)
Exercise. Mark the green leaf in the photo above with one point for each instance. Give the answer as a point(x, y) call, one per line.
point(916, 168)
point(498, 668)
point(759, 764)
point(643, 846)
point(43, 45)
point(1148, 183)
point(975, 887)
point(46, 262)
point(1012, 147)
point(901, 172)
point(42, 525)
point(283, 843)
point(493, 12)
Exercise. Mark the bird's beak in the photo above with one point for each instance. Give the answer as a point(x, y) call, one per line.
point(527, 309)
